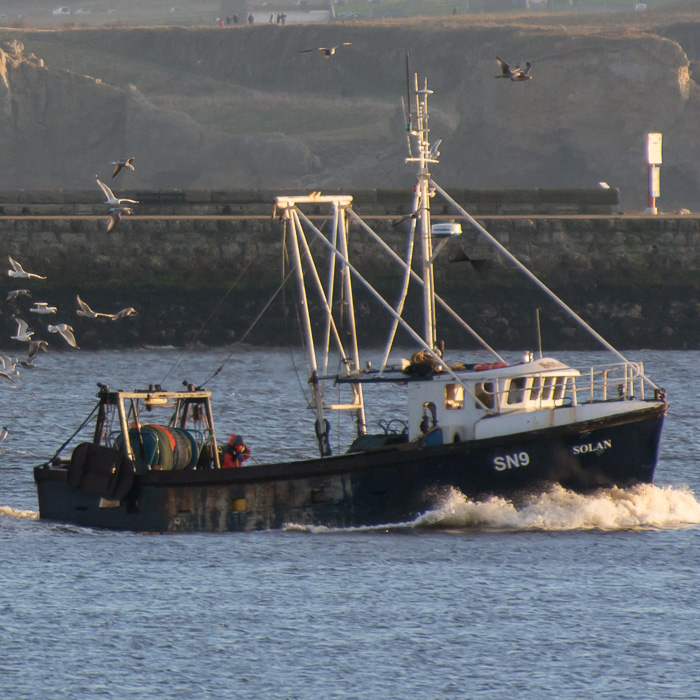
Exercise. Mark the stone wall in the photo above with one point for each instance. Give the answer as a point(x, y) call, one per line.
point(636, 280)
point(253, 202)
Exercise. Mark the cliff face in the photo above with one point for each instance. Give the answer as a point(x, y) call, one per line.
point(58, 127)
point(212, 107)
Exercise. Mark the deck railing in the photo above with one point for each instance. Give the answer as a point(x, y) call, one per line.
point(622, 381)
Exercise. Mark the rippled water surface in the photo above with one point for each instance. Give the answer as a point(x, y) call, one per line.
point(569, 597)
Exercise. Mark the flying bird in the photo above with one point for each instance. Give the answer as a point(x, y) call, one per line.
point(23, 333)
point(129, 311)
point(18, 271)
point(515, 75)
point(15, 293)
point(85, 310)
point(6, 360)
point(111, 199)
point(35, 346)
point(66, 333)
point(42, 307)
point(119, 165)
point(327, 53)
point(115, 216)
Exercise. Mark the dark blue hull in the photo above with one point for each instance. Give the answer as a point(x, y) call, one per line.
point(385, 486)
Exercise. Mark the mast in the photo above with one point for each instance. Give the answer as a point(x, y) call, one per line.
point(423, 159)
point(321, 426)
point(300, 251)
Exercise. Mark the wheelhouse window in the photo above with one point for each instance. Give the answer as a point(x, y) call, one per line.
point(454, 396)
point(536, 388)
point(486, 393)
point(547, 388)
point(559, 388)
point(516, 390)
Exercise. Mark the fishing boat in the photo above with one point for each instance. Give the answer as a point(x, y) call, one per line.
point(481, 429)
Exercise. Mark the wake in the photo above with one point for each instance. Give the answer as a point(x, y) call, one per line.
point(641, 507)
point(18, 514)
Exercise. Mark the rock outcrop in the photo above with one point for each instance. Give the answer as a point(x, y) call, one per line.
point(245, 108)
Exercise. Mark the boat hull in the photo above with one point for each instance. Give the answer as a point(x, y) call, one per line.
point(384, 486)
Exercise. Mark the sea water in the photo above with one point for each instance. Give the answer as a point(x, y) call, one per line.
point(566, 597)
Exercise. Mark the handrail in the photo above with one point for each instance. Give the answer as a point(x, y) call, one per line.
point(615, 382)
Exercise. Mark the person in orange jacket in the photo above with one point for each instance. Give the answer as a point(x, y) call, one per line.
point(235, 452)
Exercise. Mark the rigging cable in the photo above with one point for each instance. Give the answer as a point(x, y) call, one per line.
point(280, 288)
point(189, 345)
point(80, 427)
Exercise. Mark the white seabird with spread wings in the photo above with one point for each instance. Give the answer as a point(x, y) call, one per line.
point(18, 271)
point(42, 307)
point(23, 333)
point(66, 332)
point(111, 199)
point(85, 310)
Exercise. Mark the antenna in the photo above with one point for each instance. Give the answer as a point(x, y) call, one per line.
point(539, 332)
point(409, 116)
point(408, 130)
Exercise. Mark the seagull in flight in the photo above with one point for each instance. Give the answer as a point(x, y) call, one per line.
point(85, 310)
point(66, 332)
point(11, 296)
point(115, 216)
point(35, 346)
point(42, 307)
point(515, 75)
point(23, 333)
point(119, 165)
point(18, 271)
point(111, 199)
point(129, 311)
point(327, 53)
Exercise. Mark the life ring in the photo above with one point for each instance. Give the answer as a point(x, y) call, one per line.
point(490, 365)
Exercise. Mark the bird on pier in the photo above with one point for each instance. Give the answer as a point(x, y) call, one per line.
point(328, 52)
point(515, 75)
point(66, 332)
point(18, 271)
point(119, 165)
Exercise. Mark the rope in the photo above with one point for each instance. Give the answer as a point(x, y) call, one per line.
point(82, 425)
point(188, 347)
point(280, 288)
